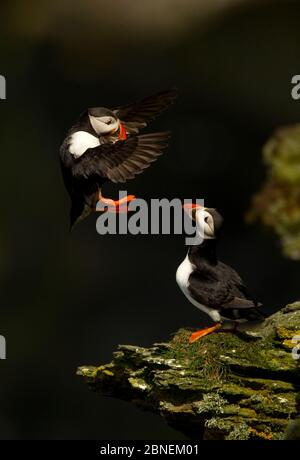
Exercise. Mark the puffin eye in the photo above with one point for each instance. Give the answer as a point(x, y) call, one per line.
point(109, 121)
point(206, 219)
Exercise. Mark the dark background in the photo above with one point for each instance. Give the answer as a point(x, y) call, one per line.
point(69, 299)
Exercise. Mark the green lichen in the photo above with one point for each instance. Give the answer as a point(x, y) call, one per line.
point(218, 424)
point(239, 433)
point(92, 373)
point(273, 405)
point(138, 384)
point(211, 404)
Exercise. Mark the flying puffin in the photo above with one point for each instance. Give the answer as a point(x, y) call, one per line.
point(105, 145)
point(212, 286)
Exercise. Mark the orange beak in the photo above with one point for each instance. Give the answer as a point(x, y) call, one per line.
point(188, 206)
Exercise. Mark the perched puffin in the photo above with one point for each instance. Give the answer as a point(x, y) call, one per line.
point(105, 145)
point(212, 286)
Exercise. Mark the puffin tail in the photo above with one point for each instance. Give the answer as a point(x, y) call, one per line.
point(79, 210)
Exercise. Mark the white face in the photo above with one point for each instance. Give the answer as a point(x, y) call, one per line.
point(104, 125)
point(205, 223)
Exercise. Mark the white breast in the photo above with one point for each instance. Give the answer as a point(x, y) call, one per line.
point(81, 141)
point(183, 273)
point(182, 277)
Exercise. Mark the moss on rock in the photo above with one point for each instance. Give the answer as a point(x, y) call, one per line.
point(225, 386)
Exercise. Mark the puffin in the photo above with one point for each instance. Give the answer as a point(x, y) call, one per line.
point(212, 286)
point(106, 145)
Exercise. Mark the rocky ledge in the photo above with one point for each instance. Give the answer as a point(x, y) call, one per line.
point(225, 386)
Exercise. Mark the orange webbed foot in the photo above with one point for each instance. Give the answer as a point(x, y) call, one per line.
point(114, 206)
point(203, 332)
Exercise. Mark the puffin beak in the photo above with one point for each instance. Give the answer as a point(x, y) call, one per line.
point(189, 206)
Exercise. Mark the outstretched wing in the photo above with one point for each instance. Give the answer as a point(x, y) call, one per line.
point(136, 116)
point(122, 160)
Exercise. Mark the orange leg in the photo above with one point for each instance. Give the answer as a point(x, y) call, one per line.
point(118, 206)
point(202, 332)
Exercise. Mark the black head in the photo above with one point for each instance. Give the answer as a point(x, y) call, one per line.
point(101, 112)
point(209, 221)
point(217, 220)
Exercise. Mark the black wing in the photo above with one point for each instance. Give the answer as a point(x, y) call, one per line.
point(221, 288)
point(209, 290)
point(136, 116)
point(225, 297)
point(123, 159)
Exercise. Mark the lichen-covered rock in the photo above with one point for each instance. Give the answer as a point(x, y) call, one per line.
point(225, 386)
